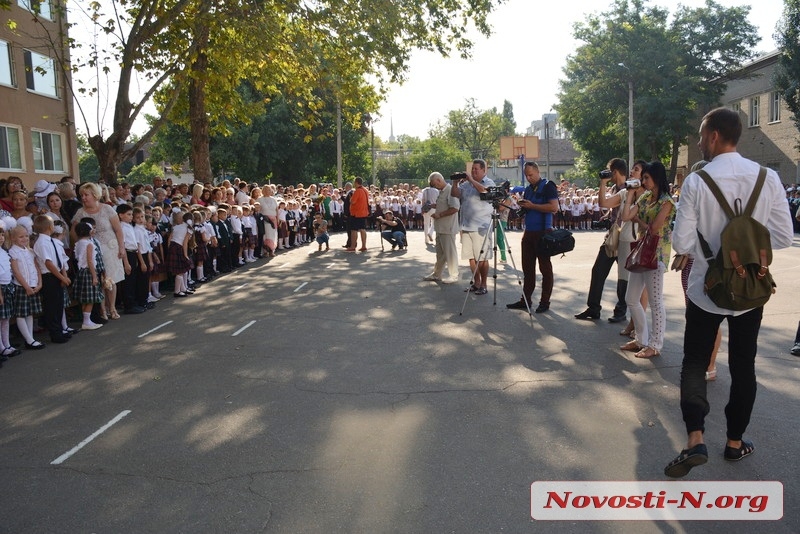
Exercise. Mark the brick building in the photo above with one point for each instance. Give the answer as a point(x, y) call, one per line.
point(37, 127)
point(769, 136)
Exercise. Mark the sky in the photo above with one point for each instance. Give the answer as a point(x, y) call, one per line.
point(521, 62)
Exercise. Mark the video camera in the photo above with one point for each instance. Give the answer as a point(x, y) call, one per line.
point(496, 193)
point(458, 176)
point(602, 224)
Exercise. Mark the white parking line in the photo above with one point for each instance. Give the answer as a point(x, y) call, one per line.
point(242, 329)
point(154, 329)
point(85, 442)
point(235, 289)
point(300, 287)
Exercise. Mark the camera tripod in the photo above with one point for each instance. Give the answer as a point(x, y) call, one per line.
point(489, 240)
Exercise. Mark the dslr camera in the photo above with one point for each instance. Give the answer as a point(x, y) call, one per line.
point(458, 176)
point(605, 173)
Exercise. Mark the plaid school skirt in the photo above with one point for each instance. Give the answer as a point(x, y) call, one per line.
point(7, 308)
point(177, 263)
point(200, 253)
point(83, 291)
point(25, 305)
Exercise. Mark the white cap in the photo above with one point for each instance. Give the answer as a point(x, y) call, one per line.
point(43, 188)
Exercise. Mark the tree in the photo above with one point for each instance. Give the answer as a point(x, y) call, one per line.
point(677, 69)
point(787, 76)
point(162, 44)
point(509, 125)
point(475, 131)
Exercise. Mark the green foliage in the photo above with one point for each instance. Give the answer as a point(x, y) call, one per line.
point(475, 131)
point(434, 154)
point(144, 173)
point(509, 125)
point(787, 76)
point(671, 65)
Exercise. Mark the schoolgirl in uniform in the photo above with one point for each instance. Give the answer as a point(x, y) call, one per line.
point(28, 279)
point(6, 300)
point(178, 261)
point(87, 289)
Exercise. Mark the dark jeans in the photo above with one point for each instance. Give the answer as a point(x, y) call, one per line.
point(600, 270)
point(530, 255)
point(698, 343)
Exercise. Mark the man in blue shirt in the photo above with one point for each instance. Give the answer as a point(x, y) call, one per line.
point(540, 201)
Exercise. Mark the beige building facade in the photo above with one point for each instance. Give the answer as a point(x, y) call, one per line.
point(37, 127)
point(769, 136)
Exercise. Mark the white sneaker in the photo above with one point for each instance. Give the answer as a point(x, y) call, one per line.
point(152, 298)
point(450, 280)
point(90, 326)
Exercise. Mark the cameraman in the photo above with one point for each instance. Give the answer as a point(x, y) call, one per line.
point(476, 221)
point(540, 202)
point(612, 198)
point(393, 230)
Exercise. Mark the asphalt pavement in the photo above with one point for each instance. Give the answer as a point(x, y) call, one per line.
point(339, 392)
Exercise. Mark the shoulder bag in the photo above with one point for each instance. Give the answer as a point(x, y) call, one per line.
point(644, 254)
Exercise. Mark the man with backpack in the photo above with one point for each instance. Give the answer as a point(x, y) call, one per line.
point(700, 211)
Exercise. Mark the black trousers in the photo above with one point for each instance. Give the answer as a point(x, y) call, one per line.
point(600, 270)
point(129, 285)
point(52, 304)
point(698, 343)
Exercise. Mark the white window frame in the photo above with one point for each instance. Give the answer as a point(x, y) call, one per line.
point(42, 83)
point(9, 151)
point(36, 8)
point(755, 118)
point(774, 106)
point(48, 157)
point(6, 64)
point(737, 106)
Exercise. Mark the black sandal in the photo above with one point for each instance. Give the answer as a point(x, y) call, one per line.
point(732, 454)
point(686, 460)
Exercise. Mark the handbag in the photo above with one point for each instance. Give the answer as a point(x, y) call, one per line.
point(611, 241)
point(643, 256)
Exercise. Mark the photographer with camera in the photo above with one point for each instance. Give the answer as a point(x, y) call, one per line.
point(612, 198)
point(476, 221)
point(393, 230)
point(540, 202)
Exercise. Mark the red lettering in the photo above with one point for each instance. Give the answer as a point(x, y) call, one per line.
point(687, 496)
point(723, 501)
point(634, 501)
point(581, 501)
point(553, 496)
point(617, 501)
point(597, 502)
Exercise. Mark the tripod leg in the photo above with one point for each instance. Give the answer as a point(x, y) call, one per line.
point(514, 265)
point(482, 254)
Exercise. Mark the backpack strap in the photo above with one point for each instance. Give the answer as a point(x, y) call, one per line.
point(748, 211)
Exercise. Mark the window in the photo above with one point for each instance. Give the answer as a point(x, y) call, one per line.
point(737, 107)
point(10, 153)
point(754, 118)
point(6, 65)
point(40, 74)
point(39, 7)
point(774, 106)
point(47, 151)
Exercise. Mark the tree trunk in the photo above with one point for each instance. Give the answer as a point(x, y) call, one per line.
point(198, 119)
point(109, 156)
point(673, 166)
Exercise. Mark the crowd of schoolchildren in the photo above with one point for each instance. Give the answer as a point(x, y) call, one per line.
point(176, 237)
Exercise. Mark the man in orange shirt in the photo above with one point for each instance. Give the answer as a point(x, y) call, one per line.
point(359, 211)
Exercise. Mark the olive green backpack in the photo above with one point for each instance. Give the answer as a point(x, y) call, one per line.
point(738, 277)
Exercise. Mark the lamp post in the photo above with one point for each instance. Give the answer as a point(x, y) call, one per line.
point(630, 114)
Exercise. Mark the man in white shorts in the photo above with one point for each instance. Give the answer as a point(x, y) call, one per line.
point(476, 222)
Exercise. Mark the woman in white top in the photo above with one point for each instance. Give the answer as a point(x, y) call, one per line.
point(108, 232)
